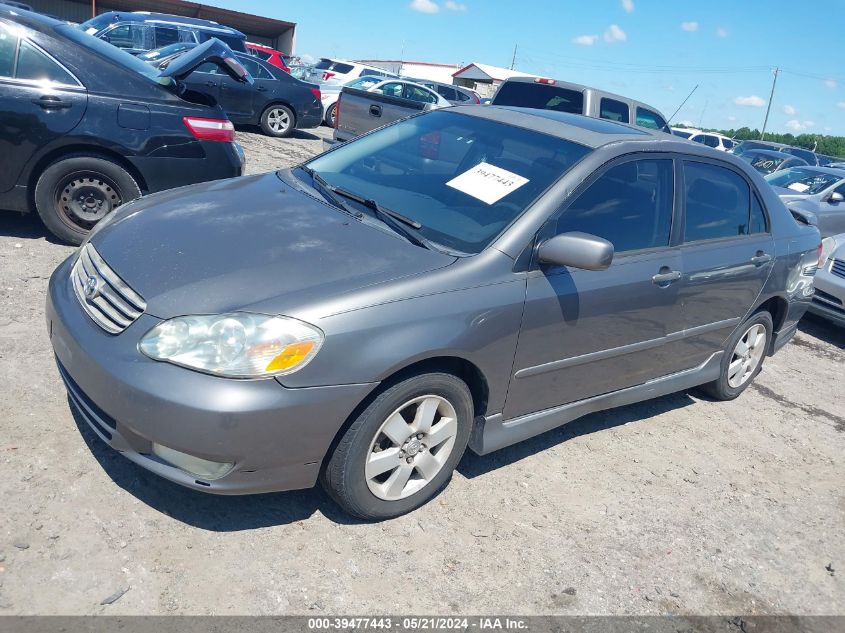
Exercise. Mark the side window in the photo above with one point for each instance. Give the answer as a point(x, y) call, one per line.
point(254, 68)
point(165, 35)
point(649, 119)
point(758, 217)
point(33, 64)
point(188, 36)
point(415, 93)
point(630, 205)
point(614, 110)
point(718, 202)
point(840, 189)
point(711, 141)
point(450, 94)
point(8, 46)
point(728, 143)
point(131, 36)
point(208, 68)
point(462, 96)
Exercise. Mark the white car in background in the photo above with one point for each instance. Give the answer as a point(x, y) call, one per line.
point(710, 139)
point(339, 71)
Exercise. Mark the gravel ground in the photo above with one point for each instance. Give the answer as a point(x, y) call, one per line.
point(677, 505)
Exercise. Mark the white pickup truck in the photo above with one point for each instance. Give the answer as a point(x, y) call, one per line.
point(359, 111)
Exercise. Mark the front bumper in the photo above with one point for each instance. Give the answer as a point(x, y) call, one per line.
point(276, 437)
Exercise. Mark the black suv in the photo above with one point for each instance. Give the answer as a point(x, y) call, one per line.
point(140, 32)
point(80, 136)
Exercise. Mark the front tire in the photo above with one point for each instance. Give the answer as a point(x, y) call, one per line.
point(402, 449)
point(76, 192)
point(330, 115)
point(278, 121)
point(743, 358)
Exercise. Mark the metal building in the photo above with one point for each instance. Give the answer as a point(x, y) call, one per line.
point(279, 34)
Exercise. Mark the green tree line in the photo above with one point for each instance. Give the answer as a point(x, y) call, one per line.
point(828, 145)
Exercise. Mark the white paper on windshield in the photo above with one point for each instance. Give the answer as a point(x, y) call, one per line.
point(487, 182)
point(800, 187)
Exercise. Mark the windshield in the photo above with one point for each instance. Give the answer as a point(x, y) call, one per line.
point(764, 163)
point(96, 24)
point(801, 153)
point(804, 181)
point(540, 96)
point(112, 53)
point(463, 178)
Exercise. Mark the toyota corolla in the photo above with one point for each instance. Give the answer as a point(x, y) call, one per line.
point(467, 277)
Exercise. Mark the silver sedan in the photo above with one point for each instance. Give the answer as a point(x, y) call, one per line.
point(829, 300)
point(819, 190)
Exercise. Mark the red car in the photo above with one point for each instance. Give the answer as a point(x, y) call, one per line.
point(269, 55)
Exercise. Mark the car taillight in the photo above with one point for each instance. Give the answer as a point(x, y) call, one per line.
point(316, 93)
point(327, 75)
point(822, 255)
point(210, 129)
point(544, 81)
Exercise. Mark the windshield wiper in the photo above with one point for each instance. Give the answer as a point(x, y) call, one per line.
point(329, 193)
point(401, 224)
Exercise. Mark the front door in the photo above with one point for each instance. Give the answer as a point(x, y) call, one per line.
point(727, 255)
point(586, 333)
point(39, 101)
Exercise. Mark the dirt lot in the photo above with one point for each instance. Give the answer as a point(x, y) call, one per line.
point(677, 505)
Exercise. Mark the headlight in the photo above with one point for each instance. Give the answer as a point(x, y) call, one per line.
point(237, 345)
point(829, 245)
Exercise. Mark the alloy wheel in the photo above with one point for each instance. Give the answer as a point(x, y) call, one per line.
point(411, 447)
point(278, 120)
point(747, 355)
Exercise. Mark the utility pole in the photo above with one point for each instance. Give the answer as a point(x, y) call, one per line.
point(93, 8)
point(513, 59)
point(768, 109)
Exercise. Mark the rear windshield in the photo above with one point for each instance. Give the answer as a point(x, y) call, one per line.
point(112, 53)
point(338, 67)
point(540, 96)
point(463, 178)
point(764, 163)
point(806, 154)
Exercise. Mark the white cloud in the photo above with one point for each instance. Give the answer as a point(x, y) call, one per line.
point(455, 6)
point(424, 6)
point(690, 27)
point(722, 32)
point(827, 129)
point(799, 126)
point(830, 83)
point(841, 104)
point(753, 101)
point(790, 110)
point(614, 34)
point(732, 118)
point(586, 40)
point(628, 5)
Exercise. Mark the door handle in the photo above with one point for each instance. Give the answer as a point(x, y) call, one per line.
point(761, 258)
point(375, 110)
point(211, 84)
point(261, 88)
point(52, 103)
point(666, 276)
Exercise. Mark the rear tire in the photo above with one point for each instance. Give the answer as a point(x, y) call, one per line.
point(402, 449)
point(330, 114)
point(76, 192)
point(278, 121)
point(743, 359)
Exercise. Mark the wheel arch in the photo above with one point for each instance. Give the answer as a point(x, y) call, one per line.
point(79, 149)
point(455, 365)
point(778, 307)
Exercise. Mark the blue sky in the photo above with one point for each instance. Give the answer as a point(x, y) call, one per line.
point(652, 50)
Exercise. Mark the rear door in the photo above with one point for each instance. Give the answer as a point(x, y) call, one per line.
point(727, 254)
point(587, 333)
point(40, 100)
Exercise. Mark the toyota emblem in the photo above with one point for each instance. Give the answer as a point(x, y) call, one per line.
point(91, 288)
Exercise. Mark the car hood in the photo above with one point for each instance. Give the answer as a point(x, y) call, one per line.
point(787, 195)
point(249, 243)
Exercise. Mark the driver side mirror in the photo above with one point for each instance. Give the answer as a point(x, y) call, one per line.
point(577, 250)
point(836, 198)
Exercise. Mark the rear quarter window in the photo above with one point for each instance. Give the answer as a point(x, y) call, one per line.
point(614, 110)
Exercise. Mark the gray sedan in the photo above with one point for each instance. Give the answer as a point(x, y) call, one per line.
point(466, 277)
point(819, 190)
point(829, 299)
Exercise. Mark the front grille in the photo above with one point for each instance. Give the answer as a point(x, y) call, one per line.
point(821, 294)
point(106, 298)
point(838, 267)
point(94, 415)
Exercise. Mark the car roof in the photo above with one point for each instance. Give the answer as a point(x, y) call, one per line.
point(833, 171)
point(148, 16)
point(35, 21)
